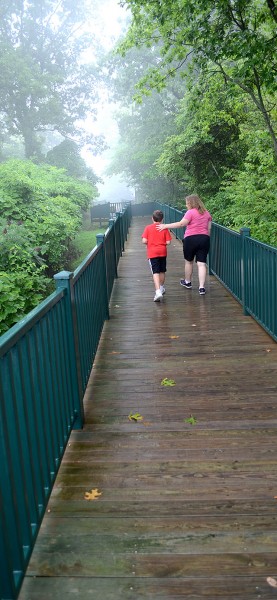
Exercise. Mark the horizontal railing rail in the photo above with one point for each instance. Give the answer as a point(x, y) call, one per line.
point(46, 361)
point(245, 266)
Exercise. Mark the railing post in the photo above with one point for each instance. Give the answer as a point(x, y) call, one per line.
point(111, 225)
point(244, 232)
point(210, 254)
point(64, 280)
point(121, 245)
point(100, 239)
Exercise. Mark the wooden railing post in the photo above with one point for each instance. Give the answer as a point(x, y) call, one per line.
point(64, 280)
point(244, 232)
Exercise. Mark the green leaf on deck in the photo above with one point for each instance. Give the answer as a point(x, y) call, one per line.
point(191, 420)
point(135, 417)
point(168, 382)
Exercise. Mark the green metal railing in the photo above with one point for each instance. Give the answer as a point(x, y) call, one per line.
point(245, 266)
point(46, 361)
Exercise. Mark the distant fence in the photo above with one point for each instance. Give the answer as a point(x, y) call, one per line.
point(106, 210)
point(46, 361)
point(245, 266)
point(109, 209)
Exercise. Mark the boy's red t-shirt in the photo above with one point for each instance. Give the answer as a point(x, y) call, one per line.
point(156, 240)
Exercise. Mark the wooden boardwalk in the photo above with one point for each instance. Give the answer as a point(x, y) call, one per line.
point(186, 510)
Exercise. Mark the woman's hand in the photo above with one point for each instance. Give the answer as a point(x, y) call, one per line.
point(160, 227)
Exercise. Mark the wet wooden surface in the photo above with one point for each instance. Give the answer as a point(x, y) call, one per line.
point(186, 510)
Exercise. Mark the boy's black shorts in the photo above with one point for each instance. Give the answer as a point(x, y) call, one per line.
point(158, 264)
point(196, 246)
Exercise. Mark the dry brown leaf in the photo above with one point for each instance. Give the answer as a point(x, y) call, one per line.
point(114, 352)
point(268, 350)
point(272, 582)
point(93, 495)
point(173, 337)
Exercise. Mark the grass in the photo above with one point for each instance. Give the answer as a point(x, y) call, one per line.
point(85, 241)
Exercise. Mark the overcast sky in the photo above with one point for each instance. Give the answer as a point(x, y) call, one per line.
point(108, 24)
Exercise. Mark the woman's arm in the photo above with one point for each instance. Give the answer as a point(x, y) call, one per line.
point(183, 223)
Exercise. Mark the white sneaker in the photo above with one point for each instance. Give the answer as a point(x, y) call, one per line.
point(162, 289)
point(158, 296)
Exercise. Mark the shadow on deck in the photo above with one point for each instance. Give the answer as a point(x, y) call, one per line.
point(186, 510)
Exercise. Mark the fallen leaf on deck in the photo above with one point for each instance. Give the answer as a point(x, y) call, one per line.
point(93, 495)
point(173, 337)
point(272, 582)
point(114, 352)
point(135, 417)
point(268, 350)
point(168, 382)
point(191, 420)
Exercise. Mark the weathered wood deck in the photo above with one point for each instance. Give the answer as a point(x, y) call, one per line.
point(186, 511)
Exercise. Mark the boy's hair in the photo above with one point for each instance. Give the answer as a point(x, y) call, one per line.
point(158, 216)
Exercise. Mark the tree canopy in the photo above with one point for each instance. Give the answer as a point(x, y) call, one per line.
point(235, 38)
point(45, 84)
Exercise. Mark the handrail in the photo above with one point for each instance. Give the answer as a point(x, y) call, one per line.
point(245, 266)
point(46, 360)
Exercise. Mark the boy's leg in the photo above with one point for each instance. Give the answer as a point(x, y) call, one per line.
point(156, 279)
point(162, 278)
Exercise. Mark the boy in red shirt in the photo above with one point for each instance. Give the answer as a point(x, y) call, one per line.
point(157, 242)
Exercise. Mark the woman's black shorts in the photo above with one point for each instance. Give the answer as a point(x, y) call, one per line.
point(196, 246)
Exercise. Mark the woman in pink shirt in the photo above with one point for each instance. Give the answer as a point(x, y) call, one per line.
point(196, 242)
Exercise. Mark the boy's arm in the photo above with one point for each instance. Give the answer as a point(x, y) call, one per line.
point(168, 242)
point(144, 240)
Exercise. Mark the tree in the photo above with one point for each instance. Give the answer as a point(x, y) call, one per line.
point(66, 155)
point(44, 83)
point(142, 134)
point(236, 38)
point(206, 143)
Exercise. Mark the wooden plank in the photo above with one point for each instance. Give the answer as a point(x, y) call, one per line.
point(161, 588)
point(186, 511)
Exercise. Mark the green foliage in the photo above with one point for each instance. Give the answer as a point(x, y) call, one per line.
point(42, 212)
point(22, 273)
point(215, 135)
point(247, 197)
point(207, 140)
point(20, 292)
point(237, 40)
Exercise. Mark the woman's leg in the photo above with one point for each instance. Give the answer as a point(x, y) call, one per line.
point(202, 270)
point(188, 270)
